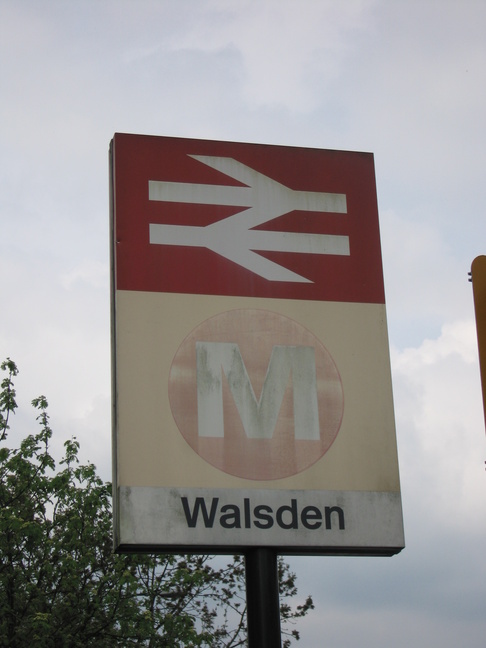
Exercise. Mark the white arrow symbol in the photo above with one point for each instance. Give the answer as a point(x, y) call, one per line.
point(234, 237)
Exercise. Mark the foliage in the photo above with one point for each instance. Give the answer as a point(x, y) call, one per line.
point(62, 585)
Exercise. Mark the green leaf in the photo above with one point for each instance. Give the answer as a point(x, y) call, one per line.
point(62, 585)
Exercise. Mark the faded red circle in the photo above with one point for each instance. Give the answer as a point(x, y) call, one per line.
point(256, 332)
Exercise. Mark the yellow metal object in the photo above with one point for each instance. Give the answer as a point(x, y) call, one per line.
point(478, 274)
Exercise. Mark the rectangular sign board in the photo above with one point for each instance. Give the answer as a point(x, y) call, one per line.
point(252, 399)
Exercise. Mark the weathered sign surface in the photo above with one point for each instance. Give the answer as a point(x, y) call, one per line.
point(252, 391)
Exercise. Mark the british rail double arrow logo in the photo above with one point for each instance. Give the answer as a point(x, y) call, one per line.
point(262, 200)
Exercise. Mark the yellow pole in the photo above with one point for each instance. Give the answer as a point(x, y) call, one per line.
point(478, 276)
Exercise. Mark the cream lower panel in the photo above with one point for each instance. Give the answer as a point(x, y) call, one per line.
point(322, 521)
point(150, 449)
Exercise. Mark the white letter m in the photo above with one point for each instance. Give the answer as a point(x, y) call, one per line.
point(259, 418)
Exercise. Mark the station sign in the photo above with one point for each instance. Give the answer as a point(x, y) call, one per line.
point(252, 399)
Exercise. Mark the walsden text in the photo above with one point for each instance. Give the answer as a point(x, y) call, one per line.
point(234, 516)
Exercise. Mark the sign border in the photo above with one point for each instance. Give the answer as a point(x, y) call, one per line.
point(119, 493)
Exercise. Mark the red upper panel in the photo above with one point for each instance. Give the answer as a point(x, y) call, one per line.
point(353, 276)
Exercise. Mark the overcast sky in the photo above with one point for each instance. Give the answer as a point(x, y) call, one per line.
point(404, 79)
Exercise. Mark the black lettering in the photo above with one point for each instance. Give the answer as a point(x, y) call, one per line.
point(246, 503)
point(200, 505)
point(265, 517)
point(232, 519)
point(286, 516)
point(294, 521)
point(311, 517)
point(329, 510)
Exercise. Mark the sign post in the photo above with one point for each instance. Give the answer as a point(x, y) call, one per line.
point(262, 598)
point(252, 400)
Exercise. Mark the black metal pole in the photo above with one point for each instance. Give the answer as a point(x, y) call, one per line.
point(262, 598)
